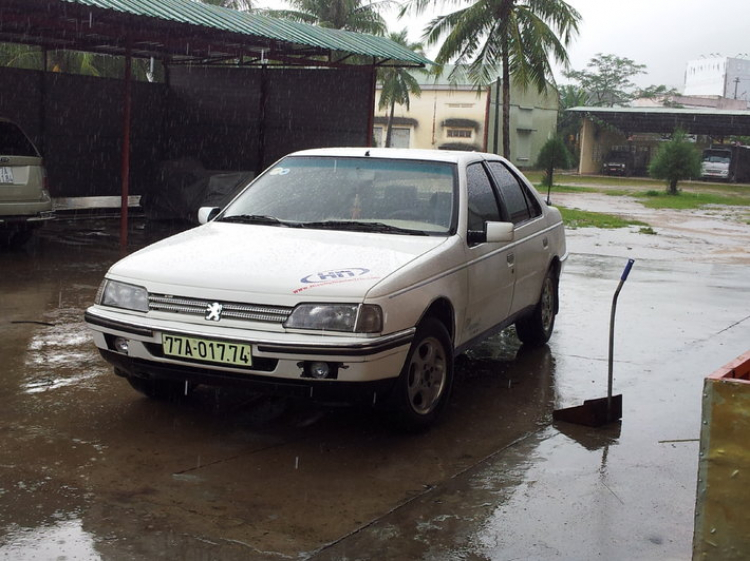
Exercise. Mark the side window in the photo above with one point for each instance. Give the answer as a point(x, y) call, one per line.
point(482, 201)
point(521, 204)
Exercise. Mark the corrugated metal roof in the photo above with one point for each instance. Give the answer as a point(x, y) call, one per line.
point(191, 12)
point(666, 120)
point(660, 111)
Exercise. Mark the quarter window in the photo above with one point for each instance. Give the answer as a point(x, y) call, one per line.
point(482, 202)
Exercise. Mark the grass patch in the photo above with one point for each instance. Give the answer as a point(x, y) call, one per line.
point(690, 200)
point(565, 189)
point(574, 218)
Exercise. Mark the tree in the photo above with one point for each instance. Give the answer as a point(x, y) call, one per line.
point(519, 36)
point(239, 5)
point(350, 15)
point(608, 82)
point(676, 160)
point(660, 94)
point(569, 124)
point(397, 84)
point(553, 155)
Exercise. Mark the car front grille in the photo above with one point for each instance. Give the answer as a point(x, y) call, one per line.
point(229, 310)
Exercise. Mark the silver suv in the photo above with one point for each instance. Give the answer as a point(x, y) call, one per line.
point(24, 200)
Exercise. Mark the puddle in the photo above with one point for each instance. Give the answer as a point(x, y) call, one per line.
point(61, 541)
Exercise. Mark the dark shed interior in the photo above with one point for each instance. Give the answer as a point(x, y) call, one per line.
point(241, 90)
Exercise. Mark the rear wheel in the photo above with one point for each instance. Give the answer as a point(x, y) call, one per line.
point(536, 328)
point(425, 382)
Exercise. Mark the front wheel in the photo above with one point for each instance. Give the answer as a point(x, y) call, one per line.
point(536, 328)
point(425, 382)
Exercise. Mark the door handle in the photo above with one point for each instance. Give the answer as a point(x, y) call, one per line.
point(545, 242)
point(511, 259)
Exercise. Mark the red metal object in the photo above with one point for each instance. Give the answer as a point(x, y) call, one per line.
point(124, 192)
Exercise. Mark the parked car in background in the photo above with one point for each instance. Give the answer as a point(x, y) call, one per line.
point(24, 200)
point(340, 275)
point(618, 163)
point(726, 163)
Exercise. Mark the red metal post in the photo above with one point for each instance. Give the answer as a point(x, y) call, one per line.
point(371, 105)
point(124, 193)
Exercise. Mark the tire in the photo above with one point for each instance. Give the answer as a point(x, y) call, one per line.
point(161, 390)
point(14, 238)
point(536, 328)
point(424, 384)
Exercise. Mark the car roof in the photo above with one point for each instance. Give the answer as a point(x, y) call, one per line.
point(401, 154)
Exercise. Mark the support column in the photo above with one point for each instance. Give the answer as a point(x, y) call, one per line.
point(587, 164)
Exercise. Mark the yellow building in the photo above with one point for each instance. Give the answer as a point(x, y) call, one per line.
point(458, 116)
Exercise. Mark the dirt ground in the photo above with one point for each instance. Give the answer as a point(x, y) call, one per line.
point(715, 234)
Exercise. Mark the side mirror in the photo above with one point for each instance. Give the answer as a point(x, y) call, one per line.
point(500, 232)
point(207, 213)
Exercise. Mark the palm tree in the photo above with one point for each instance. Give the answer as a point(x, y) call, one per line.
point(20, 56)
point(569, 124)
point(397, 84)
point(518, 35)
point(350, 15)
point(239, 5)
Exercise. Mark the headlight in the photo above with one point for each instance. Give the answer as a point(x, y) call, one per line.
point(356, 318)
point(122, 295)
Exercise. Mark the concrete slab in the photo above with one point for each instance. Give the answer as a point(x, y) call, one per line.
point(90, 470)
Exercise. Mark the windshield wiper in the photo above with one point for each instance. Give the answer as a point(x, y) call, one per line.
point(254, 219)
point(354, 226)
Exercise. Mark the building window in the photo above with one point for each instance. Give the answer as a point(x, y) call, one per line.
point(460, 105)
point(400, 137)
point(459, 133)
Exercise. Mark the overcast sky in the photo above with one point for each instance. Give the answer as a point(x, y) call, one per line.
point(662, 34)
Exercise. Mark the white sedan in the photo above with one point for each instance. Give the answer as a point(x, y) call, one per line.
point(340, 275)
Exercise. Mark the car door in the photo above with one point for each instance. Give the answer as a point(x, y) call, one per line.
point(531, 246)
point(491, 269)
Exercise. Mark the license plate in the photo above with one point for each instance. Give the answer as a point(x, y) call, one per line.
point(207, 350)
point(6, 175)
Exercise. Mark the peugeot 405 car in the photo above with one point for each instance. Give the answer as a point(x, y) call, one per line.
point(340, 275)
point(25, 202)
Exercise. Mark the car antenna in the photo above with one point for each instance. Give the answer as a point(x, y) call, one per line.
point(367, 153)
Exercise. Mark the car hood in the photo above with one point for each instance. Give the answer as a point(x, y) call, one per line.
point(255, 260)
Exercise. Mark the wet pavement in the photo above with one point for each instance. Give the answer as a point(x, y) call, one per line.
point(91, 470)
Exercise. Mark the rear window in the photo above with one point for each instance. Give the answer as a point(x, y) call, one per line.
point(13, 142)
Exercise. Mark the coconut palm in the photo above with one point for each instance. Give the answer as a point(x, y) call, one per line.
point(240, 5)
point(517, 35)
point(398, 84)
point(569, 124)
point(350, 15)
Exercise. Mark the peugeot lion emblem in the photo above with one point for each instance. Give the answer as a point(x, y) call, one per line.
point(213, 311)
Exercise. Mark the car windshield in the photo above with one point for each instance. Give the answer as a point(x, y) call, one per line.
point(716, 157)
point(349, 193)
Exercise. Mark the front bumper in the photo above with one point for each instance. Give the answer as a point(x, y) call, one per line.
point(279, 358)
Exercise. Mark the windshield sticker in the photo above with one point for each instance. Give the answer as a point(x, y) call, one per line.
point(336, 276)
point(279, 171)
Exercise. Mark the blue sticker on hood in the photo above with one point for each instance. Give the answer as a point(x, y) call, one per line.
point(336, 274)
